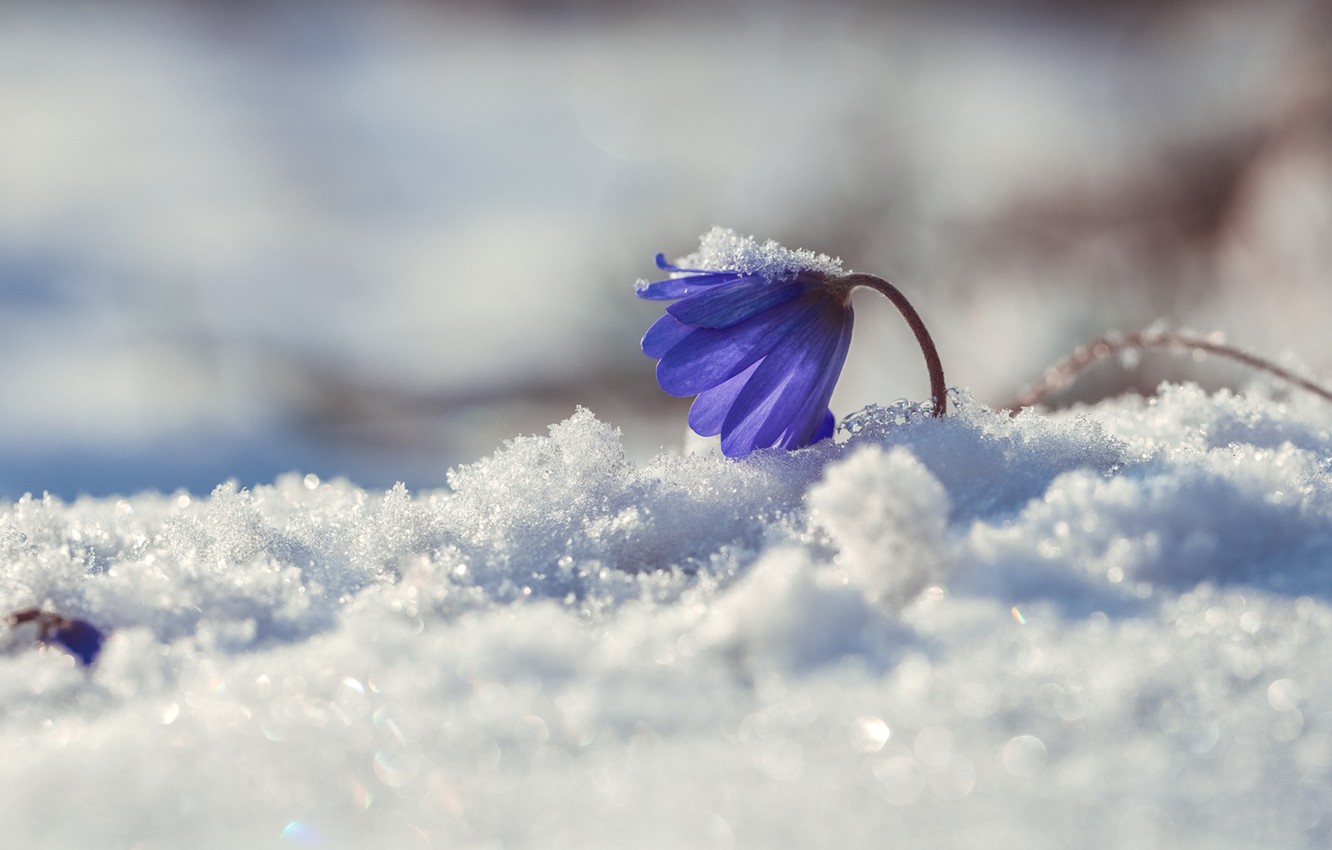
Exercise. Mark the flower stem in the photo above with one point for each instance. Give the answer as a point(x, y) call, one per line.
point(1063, 372)
point(938, 389)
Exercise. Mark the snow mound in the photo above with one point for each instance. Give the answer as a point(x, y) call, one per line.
point(1102, 628)
point(888, 516)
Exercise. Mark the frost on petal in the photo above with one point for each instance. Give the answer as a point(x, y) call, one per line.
point(723, 248)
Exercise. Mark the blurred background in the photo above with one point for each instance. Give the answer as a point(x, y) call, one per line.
point(376, 239)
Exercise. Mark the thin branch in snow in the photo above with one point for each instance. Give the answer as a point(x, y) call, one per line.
point(1062, 373)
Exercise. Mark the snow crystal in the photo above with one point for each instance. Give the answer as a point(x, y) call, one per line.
point(1102, 628)
point(722, 249)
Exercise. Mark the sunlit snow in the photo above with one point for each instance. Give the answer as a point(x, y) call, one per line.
point(1107, 627)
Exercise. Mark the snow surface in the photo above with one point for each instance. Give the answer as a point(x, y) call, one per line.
point(1102, 628)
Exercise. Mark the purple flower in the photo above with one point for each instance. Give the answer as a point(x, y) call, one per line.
point(80, 638)
point(760, 349)
point(758, 335)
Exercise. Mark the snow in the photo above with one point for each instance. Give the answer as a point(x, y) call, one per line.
point(375, 241)
point(722, 249)
point(1105, 627)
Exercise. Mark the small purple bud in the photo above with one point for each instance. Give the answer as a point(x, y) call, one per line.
point(81, 638)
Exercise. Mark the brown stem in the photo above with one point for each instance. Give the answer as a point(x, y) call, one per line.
point(938, 389)
point(1064, 371)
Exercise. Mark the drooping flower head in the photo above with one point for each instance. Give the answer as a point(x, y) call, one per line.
point(758, 334)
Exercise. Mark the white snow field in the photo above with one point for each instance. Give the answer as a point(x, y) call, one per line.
point(1102, 628)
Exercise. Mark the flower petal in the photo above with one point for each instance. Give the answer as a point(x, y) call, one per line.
point(790, 389)
point(82, 639)
point(813, 427)
point(667, 266)
point(664, 334)
point(679, 287)
point(709, 410)
point(709, 356)
point(724, 306)
point(826, 428)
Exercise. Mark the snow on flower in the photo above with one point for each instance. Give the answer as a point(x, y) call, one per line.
point(758, 334)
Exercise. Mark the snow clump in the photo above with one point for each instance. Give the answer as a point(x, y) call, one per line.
point(722, 249)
